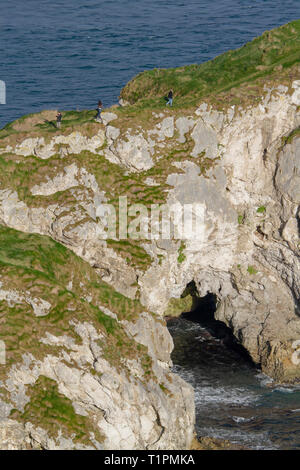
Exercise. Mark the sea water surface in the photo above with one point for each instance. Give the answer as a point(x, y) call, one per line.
point(66, 54)
point(234, 400)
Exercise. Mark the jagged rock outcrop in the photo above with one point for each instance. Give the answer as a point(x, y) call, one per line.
point(86, 369)
point(101, 354)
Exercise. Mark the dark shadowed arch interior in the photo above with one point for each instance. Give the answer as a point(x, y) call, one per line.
point(203, 312)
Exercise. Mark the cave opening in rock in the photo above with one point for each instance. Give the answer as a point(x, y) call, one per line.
point(203, 312)
point(232, 397)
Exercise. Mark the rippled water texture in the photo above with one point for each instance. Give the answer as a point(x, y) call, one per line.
point(234, 400)
point(66, 54)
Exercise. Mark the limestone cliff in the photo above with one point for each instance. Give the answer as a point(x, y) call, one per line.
point(81, 314)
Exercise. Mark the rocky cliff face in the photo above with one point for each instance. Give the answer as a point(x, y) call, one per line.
point(76, 319)
point(86, 368)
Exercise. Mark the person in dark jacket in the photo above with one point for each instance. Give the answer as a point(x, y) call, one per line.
point(99, 109)
point(170, 98)
point(58, 119)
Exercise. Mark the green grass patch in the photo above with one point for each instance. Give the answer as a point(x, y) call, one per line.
point(181, 256)
point(35, 266)
point(289, 138)
point(251, 270)
point(240, 219)
point(261, 210)
point(272, 52)
point(54, 412)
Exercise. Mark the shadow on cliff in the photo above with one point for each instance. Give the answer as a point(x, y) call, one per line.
point(203, 312)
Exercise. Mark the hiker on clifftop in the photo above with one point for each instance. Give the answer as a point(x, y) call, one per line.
point(99, 109)
point(170, 98)
point(58, 119)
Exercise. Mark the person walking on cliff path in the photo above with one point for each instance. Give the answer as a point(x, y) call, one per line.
point(99, 109)
point(170, 98)
point(58, 119)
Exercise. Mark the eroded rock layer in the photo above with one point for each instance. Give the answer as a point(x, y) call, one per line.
point(85, 349)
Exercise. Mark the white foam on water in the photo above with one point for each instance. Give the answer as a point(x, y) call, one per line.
point(224, 395)
point(186, 326)
point(241, 419)
point(201, 339)
point(257, 441)
point(189, 326)
point(283, 389)
point(215, 395)
point(264, 379)
point(185, 374)
point(219, 401)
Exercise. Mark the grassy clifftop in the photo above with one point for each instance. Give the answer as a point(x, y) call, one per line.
point(271, 54)
point(36, 271)
point(35, 267)
point(235, 77)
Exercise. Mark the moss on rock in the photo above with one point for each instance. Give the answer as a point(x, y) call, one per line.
point(177, 306)
point(53, 411)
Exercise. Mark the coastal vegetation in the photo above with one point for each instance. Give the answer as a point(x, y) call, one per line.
point(268, 57)
point(36, 267)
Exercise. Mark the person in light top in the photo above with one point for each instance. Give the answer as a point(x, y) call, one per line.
point(58, 119)
point(170, 98)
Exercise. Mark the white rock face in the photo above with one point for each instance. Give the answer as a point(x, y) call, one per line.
point(131, 415)
point(205, 139)
point(252, 173)
point(12, 435)
point(296, 94)
point(74, 142)
point(40, 307)
point(248, 256)
point(112, 133)
point(167, 127)
point(60, 182)
point(134, 153)
point(108, 117)
point(184, 125)
point(290, 233)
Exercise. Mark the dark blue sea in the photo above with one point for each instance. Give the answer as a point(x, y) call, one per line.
point(67, 54)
